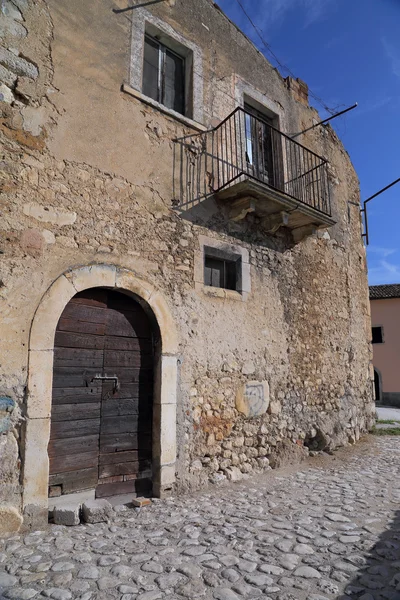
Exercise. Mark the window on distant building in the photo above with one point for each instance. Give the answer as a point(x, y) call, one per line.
point(163, 75)
point(377, 335)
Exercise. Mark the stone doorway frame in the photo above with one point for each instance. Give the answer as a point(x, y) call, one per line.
point(40, 378)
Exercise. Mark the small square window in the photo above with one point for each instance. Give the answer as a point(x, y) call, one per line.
point(377, 335)
point(222, 272)
point(163, 75)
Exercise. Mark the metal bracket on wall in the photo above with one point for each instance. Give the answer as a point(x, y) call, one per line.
point(364, 209)
point(141, 5)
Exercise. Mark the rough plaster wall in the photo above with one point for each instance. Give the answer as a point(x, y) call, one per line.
point(25, 91)
point(87, 177)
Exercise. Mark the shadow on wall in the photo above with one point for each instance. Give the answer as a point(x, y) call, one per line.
point(378, 573)
point(213, 215)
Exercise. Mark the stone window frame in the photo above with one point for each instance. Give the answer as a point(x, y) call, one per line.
point(229, 252)
point(144, 22)
point(247, 94)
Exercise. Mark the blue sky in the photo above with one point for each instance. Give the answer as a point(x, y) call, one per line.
point(347, 51)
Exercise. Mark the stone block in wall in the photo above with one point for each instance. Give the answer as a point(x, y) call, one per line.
point(49, 214)
point(10, 27)
point(9, 469)
point(7, 76)
point(21, 4)
point(18, 65)
point(26, 88)
point(10, 519)
point(10, 9)
point(32, 242)
point(7, 406)
point(6, 94)
point(252, 399)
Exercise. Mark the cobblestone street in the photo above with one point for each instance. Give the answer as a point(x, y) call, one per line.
point(330, 529)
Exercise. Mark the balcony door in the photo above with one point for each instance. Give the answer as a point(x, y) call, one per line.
point(263, 148)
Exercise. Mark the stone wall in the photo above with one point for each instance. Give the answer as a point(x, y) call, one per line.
point(86, 178)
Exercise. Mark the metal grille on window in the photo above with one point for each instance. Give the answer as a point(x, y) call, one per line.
point(164, 75)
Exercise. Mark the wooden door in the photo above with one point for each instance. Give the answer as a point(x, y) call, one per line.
point(101, 422)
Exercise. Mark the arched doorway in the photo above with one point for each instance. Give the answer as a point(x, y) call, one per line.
point(378, 386)
point(37, 426)
point(102, 397)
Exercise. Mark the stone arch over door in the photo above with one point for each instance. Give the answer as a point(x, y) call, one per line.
point(40, 373)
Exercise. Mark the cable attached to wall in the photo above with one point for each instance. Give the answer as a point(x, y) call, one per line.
point(278, 61)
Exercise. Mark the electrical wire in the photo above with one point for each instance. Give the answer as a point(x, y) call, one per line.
point(279, 62)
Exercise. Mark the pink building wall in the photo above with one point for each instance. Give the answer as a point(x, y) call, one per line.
point(386, 313)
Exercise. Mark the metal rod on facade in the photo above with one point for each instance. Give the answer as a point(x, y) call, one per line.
point(342, 112)
point(364, 210)
point(141, 5)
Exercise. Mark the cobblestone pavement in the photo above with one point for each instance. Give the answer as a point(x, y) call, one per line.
point(328, 530)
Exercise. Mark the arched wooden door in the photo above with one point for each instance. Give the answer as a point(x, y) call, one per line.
point(101, 420)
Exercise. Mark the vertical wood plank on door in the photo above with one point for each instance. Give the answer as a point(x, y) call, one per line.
point(76, 405)
point(126, 414)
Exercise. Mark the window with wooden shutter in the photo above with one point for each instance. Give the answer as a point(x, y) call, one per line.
point(221, 272)
point(164, 75)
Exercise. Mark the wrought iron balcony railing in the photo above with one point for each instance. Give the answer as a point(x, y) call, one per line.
point(243, 148)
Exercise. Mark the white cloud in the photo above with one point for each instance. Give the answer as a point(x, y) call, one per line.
point(381, 251)
point(272, 12)
point(384, 272)
point(380, 269)
point(378, 105)
point(393, 54)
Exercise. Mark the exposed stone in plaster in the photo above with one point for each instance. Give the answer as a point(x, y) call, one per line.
point(6, 94)
point(252, 398)
point(9, 469)
point(9, 27)
point(18, 65)
point(10, 519)
point(34, 119)
point(47, 214)
point(10, 9)
point(7, 77)
point(32, 242)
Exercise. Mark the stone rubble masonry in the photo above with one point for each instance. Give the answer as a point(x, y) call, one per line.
point(86, 180)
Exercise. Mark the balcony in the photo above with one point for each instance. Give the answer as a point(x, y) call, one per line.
point(252, 167)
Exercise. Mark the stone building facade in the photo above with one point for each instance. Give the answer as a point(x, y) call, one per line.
point(247, 372)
